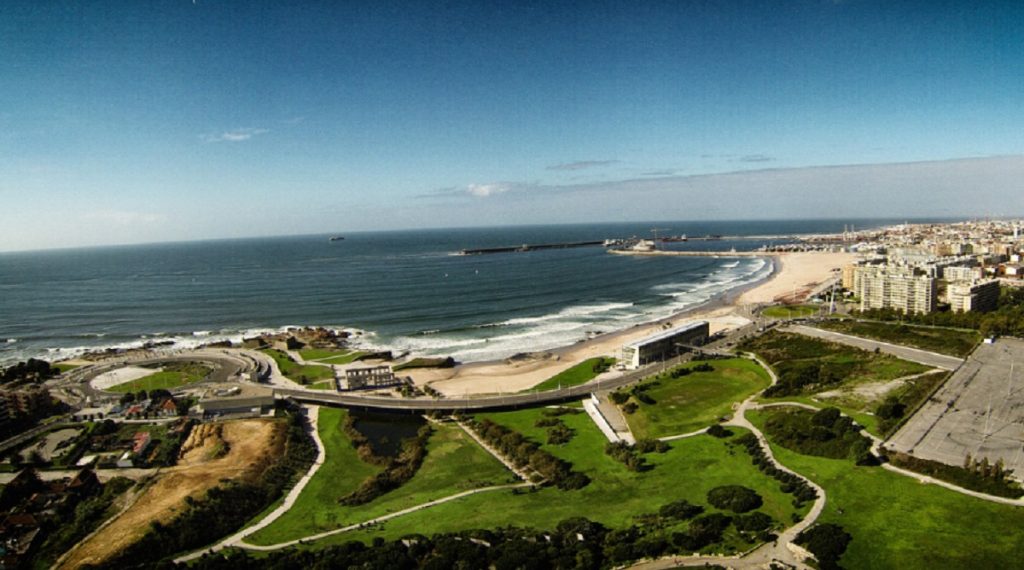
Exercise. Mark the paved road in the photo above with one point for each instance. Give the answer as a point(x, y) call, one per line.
point(906, 353)
point(356, 400)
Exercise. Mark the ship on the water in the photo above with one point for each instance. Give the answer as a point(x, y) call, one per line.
point(336, 238)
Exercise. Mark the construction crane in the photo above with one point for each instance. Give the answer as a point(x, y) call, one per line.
point(655, 232)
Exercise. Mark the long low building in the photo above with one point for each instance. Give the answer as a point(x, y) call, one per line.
point(665, 344)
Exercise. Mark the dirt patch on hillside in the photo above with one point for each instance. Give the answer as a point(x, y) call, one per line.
point(232, 450)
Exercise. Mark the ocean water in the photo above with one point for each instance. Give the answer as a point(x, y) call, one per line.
point(405, 290)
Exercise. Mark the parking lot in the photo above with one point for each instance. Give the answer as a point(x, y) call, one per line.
point(980, 411)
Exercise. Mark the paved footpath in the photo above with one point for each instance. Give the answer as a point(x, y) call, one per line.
point(289, 500)
point(783, 550)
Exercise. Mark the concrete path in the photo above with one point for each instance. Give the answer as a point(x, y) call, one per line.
point(605, 420)
point(504, 461)
point(683, 435)
point(379, 519)
point(289, 500)
point(925, 357)
point(878, 451)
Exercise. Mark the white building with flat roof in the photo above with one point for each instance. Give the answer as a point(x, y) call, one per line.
point(665, 344)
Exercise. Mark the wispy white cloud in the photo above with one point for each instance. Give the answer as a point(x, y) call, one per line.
point(581, 164)
point(234, 135)
point(485, 190)
point(954, 187)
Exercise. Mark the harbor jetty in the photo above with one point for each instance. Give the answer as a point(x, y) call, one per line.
point(731, 253)
point(529, 247)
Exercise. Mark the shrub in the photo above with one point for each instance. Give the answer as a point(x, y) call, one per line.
point(718, 431)
point(680, 510)
point(735, 498)
point(753, 522)
point(827, 542)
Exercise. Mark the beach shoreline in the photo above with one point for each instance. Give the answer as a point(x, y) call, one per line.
point(791, 273)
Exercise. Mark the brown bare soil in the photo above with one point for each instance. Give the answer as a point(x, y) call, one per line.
point(251, 446)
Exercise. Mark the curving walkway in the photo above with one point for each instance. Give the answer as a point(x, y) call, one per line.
point(289, 500)
point(380, 519)
point(783, 549)
point(683, 435)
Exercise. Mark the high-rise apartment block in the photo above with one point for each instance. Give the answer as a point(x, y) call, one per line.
point(891, 287)
point(973, 296)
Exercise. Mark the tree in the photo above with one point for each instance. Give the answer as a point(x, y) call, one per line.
point(827, 542)
point(681, 510)
point(735, 498)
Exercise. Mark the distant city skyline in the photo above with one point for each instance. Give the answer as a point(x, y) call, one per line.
point(184, 120)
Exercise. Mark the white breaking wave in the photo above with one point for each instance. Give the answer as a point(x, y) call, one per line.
point(494, 341)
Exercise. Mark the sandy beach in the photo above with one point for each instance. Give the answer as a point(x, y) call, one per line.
point(795, 273)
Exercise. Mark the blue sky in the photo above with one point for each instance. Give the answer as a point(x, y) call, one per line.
point(127, 122)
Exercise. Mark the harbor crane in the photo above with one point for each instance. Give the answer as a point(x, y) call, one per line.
point(655, 232)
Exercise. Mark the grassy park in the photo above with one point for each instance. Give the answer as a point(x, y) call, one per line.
point(954, 342)
point(695, 401)
point(897, 522)
point(615, 496)
point(454, 463)
point(172, 376)
point(789, 311)
point(580, 374)
point(330, 355)
point(301, 373)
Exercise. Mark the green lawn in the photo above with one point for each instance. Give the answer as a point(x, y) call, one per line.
point(955, 342)
point(454, 463)
point(64, 366)
point(580, 374)
point(343, 358)
point(303, 374)
point(697, 400)
point(330, 355)
point(615, 495)
point(174, 376)
point(898, 523)
point(322, 385)
point(790, 311)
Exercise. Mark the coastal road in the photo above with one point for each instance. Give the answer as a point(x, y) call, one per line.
point(519, 400)
point(905, 352)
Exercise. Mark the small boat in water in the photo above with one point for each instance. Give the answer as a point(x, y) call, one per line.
point(336, 238)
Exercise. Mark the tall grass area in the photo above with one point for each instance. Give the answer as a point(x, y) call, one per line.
point(695, 401)
point(454, 463)
point(898, 523)
point(807, 365)
point(615, 496)
point(954, 342)
point(580, 374)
